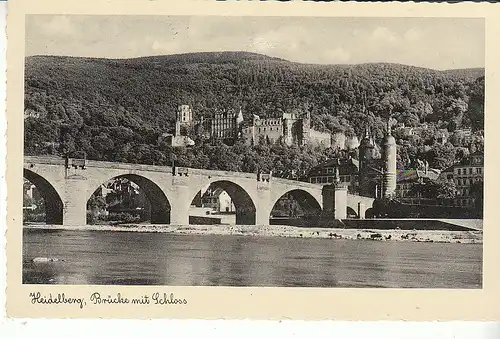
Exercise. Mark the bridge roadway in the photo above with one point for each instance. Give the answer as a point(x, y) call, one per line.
point(66, 191)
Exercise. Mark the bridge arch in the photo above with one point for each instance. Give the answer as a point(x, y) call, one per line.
point(369, 213)
point(244, 204)
point(157, 208)
point(296, 201)
point(51, 197)
point(351, 212)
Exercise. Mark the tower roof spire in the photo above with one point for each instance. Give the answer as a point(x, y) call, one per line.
point(239, 118)
point(367, 132)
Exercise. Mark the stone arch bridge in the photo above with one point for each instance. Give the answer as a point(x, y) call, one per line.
point(66, 188)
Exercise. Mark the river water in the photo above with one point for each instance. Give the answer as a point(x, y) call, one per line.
point(130, 258)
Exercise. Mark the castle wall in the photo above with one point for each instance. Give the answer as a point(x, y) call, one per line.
point(248, 134)
point(338, 140)
point(224, 126)
point(320, 138)
point(268, 128)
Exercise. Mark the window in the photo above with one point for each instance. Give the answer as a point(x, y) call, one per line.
point(323, 180)
point(459, 171)
point(470, 170)
point(330, 179)
point(348, 178)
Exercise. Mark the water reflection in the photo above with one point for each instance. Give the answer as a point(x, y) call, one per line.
point(128, 258)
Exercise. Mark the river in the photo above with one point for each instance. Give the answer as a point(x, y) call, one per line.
point(132, 258)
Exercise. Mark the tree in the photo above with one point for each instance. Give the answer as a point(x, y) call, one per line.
point(477, 192)
point(446, 190)
point(116, 109)
point(434, 189)
point(442, 156)
point(96, 203)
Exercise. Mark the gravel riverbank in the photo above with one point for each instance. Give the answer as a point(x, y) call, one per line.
point(288, 231)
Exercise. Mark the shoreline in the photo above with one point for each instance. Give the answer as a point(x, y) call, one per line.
point(464, 237)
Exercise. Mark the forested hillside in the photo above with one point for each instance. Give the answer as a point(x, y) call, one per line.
point(116, 109)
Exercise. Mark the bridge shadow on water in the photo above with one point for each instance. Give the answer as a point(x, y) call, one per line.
point(382, 224)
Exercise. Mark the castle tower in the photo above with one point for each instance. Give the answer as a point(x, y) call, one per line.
point(239, 124)
point(183, 117)
point(288, 133)
point(389, 163)
point(184, 114)
point(177, 128)
point(306, 129)
point(239, 118)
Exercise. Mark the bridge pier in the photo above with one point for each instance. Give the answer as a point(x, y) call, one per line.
point(179, 212)
point(361, 210)
point(263, 201)
point(262, 215)
point(340, 202)
point(335, 201)
point(75, 201)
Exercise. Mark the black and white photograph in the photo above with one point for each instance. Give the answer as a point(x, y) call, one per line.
point(255, 151)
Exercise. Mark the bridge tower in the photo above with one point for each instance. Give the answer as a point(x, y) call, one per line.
point(389, 163)
point(366, 148)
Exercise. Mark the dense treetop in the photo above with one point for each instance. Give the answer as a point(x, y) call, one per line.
point(116, 109)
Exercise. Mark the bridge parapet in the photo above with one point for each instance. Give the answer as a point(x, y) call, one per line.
point(297, 183)
point(43, 160)
point(167, 169)
point(264, 177)
point(227, 174)
point(181, 171)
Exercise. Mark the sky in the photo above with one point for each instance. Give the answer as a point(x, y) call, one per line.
point(438, 43)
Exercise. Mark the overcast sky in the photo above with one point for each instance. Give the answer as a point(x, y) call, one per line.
point(428, 42)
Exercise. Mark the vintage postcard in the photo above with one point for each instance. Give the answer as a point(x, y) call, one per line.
point(198, 159)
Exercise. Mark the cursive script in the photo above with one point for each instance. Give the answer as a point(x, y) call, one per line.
point(167, 300)
point(38, 298)
point(97, 298)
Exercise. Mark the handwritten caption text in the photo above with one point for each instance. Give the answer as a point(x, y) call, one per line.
point(97, 298)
